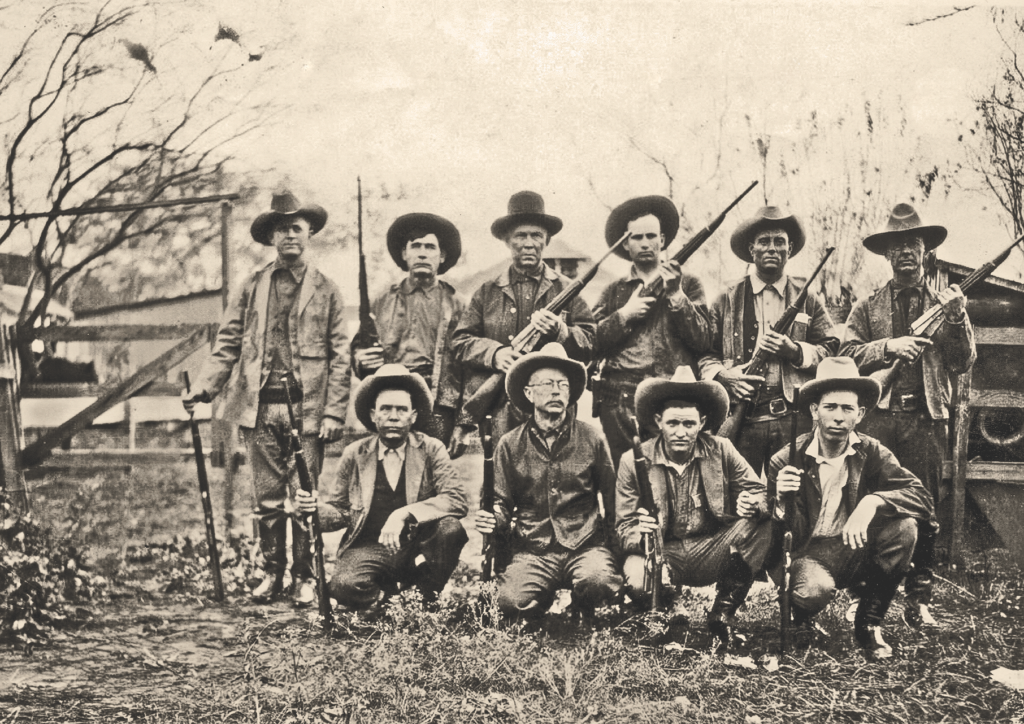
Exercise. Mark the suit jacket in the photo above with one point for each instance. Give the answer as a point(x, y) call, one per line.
point(873, 470)
point(432, 487)
point(723, 471)
point(952, 350)
point(319, 350)
point(731, 347)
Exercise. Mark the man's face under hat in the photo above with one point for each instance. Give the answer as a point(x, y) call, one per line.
point(527, 242)
point(423, 256)
point(394, 415)
point(770, 249)
point(837, 414)
point(680, 422)
point(645, 239)
point(290, 236)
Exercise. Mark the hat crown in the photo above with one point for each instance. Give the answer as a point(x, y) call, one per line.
point(771, 213)
point(525, 202)
point(284, 203)
point(837, 368)
point(553, 349)
point(903, 217)
point(392, 369)
point(684, 373)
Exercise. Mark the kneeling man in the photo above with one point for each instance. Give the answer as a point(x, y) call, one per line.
point(397, 495)
point(715, 522)
point(855, 510)
point(553, 473)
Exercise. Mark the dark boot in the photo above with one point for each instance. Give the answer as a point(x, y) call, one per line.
point(921, 578)
point(874, 604)
point(733, 586)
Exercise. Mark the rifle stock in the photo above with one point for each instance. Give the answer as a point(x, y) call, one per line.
point(487, 494)
point(204, 495)
point(654, 554)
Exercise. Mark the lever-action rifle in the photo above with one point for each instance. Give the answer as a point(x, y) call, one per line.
point(528, 339)
point(785, 614)
point(366, 336)
point(654, 553)
point(204, 495)
point(928, 323)
point(759, 362)
point(313, 519)
point(487, 494)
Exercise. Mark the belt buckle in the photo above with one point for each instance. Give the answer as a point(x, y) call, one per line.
point(778, 406)
point(908, 401)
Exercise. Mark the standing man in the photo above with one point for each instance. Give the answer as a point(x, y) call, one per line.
point(855, 510)
point(714, 514)
point(397, 495)
point(640, 336)
point(286, 320)
point(417, 317)
point(912, 418)
point(503, 306)
point(742, 318)
point(554, 475)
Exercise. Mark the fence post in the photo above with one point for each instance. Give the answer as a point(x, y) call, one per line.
point(12, 479)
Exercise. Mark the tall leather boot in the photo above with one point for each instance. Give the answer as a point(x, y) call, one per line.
point(733, 586)
point(921, 578)
point(874, 604)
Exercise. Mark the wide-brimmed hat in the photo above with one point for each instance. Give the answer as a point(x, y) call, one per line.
point(904, 222)
point(840, 373)
point(622, 214)
point(420, 224)
point(709, 396)
point(552, 355)
point(394, 377)
point(526, 207)
point(284, 205)
point(767, 217)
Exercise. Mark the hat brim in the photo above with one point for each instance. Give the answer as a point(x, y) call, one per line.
point(552, 224)
point(414, 384)
point(746, 231)
point(263, 227)
point(448, 238)
point(621, 215)
point(519, 376)
point(709, 396)
point(868, 389)
point(879, 243)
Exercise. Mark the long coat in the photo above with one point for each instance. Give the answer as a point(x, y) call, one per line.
point(319, 350)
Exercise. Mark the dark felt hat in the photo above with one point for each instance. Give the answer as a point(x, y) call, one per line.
point(526, 207)
point(394, 377)
point(621, 215)
point(840, 373)
point(282, 206)
point(904, 222)
point(709, 396)
point(767, 217)
point(552, 355)
point(418, 225)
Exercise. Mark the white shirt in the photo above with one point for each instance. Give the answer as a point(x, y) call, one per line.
point(833, 473)
point(393, 459)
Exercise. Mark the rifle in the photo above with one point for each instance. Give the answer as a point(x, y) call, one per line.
point(528, 339)
point(654, 553)
point(759, 362)
point(313, 519)
point(204, 494)
point(367, 336)
point(785, 614)
point(487, 494)
point(928, 323)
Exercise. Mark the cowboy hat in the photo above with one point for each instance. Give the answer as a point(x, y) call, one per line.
point(415, 226)
point(526, 207)
point(633, 209)
point(767, 217)
point(552, 355)
point(394, 377)
point(709, 396)
point(840, 373)
point(282, 206)
point(904, 222)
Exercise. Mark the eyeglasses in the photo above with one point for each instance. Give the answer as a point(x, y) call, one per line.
point(562, 385)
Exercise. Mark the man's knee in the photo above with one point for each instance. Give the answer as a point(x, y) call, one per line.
point(895, 543)
point(813, 585)
point(451, 531)
point(353, 592)
point(516, 601)
point(633, 572)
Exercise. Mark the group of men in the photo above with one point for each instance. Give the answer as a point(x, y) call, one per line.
point(859, 501)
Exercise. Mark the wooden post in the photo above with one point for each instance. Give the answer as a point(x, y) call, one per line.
point(961, 433)
point(225, 434)
point(12, 479)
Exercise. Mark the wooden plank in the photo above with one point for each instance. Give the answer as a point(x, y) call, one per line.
point(996, 398)
point(115, 332)
point(999, 335)
point(40, 449)
point(57, 390)
point(961, 434)
point(1010, 473)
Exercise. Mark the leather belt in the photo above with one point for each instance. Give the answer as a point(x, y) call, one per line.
point(774, 407)
point(906, 403)
point(277, 395)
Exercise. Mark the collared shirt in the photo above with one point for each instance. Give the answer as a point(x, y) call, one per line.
point(690, 515)
point(284, 290)
point(524, 288)
point(423, 310)
point(769, 305)
point(553, 440)
point(393, 459)
point(833, 474)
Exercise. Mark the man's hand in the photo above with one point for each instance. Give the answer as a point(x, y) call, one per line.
point(636, 307)
point(369, 360)
point(391, 533)
point(855, 532)
point(331, 429)
point(484, 521)
point(953, 303)
point(779, 345)
point(548, 323)
point(671, 274)
point(305, 502)
point(460, 440)
point(504, 358)
point(646, 522)
point(189, 399)
point(746, 504)
point(907, 348)
point(738, 383)
point(788, 480)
